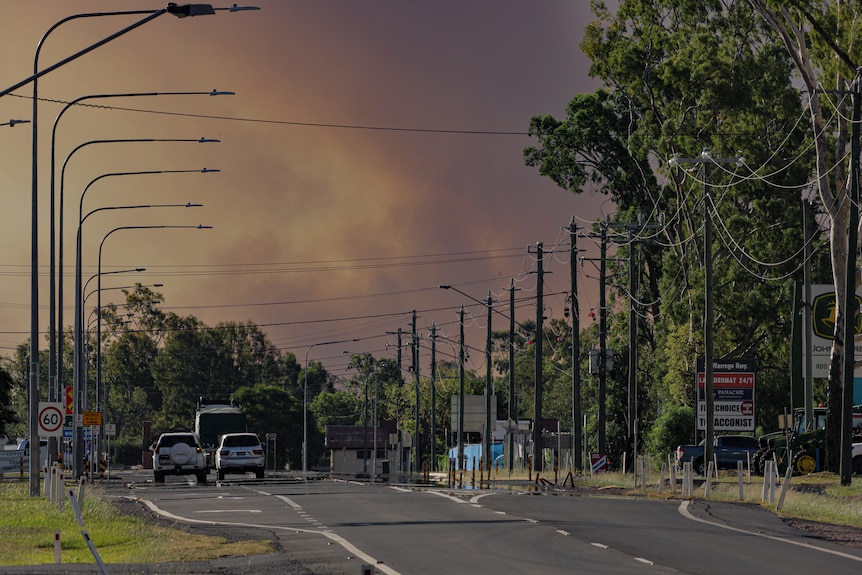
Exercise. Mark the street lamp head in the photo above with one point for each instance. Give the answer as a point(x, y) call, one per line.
point(205, 140)
point(444, 286)
point(215, 92)
point(203, 227)
point(191, 205)
point(235, 8)
point(182, 11)
point(210, 170)
point(140, 269)
point(13, 122)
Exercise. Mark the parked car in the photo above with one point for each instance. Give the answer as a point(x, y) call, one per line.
point(178, 453)
point(727, 450)
point(239, 453)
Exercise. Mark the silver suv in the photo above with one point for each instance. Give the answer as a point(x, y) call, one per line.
point(178, 453)
point(239, 453)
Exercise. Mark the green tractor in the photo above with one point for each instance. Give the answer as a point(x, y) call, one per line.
point(801, 446)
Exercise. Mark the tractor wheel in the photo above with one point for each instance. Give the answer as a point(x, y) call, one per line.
point(804, 463)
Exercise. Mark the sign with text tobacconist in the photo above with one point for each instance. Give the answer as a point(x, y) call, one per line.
point(732, 394)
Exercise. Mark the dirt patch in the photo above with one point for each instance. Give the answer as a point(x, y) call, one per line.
point(843, 534)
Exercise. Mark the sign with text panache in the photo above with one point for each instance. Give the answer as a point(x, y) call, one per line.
point(732, 394)
point(823, 328)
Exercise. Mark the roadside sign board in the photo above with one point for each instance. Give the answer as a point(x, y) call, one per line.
point(51, 418)
point(732, 394)
point(92, 418)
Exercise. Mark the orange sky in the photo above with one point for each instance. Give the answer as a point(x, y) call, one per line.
point(348, 186)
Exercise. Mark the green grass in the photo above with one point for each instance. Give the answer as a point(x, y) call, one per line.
point(815, 497)
point(28, 525)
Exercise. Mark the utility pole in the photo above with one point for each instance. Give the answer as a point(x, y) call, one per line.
point(433, 396)
point(577, 438)
point(399, 381)
point(632, 228)
point(537, 411)
point(417, 438)
point(705, 160)
point(602, 363)
point(807, 330)
point(603, 341)
point(461, 392)
point(489, 391)
point(513, 415)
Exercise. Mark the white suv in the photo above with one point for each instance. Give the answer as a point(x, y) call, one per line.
point(239, 453)
point(178, 453)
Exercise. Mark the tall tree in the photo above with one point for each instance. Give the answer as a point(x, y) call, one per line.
point(821, 38)
point(681, 77)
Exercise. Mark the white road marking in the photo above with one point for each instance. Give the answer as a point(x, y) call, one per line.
point(642, 560)
point(289, 501)
point(683, 510)
point(328, 534)
point(600, 546)
point(562, 532)
point(229, 511)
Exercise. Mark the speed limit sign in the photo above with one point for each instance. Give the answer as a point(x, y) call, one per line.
point(51, 419)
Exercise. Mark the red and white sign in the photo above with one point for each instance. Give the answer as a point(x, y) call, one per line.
point(732, 395)
point(51, 418)
point(598, 463)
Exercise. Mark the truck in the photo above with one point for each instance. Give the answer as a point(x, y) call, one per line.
point(726, 450)
point(212, 420)
point(802, 444)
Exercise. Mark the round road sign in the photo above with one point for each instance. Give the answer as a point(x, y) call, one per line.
point(51, 419)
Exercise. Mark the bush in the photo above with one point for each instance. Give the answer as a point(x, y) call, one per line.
point(672, 428)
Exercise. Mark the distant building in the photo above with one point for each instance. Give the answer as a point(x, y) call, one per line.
point(354, 450)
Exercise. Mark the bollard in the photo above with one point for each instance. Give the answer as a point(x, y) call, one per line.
point(739, 479)
point(707, 486)
point(672, 469)
point(57, 556)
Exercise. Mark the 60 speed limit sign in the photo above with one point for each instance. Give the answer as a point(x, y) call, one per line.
point(51, 419)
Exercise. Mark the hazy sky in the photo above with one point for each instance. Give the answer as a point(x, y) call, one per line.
point(373, 151)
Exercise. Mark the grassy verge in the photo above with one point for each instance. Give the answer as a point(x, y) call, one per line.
point(816, 497)
point(28, 523)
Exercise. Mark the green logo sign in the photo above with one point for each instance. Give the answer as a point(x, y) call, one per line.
point(823, 316)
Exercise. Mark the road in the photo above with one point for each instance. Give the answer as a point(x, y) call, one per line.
point(332, 527)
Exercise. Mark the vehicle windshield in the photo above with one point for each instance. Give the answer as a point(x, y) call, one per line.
point(171, 440)
point(241, 441)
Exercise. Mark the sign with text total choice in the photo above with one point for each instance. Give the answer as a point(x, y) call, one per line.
point(732, 394)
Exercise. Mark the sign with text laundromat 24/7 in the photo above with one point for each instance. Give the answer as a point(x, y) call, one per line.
point(732, 394)
point(823, 328)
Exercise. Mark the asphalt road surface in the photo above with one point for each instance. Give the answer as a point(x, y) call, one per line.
point(326, 527)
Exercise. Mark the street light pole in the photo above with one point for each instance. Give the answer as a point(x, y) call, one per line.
point(55, 354)
point(80, 368)
point(99, 301)
point(305, 402)
point(486, 436)
point(705, 160)
point(179, 11)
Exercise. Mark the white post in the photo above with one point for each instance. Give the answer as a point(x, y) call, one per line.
point(672, 468)
point(708, 485)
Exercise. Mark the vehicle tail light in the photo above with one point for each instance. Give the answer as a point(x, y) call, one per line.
point(257, 451)
point(224, 452)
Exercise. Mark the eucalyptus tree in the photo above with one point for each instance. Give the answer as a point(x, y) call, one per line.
point(822, 37)
point(681, 78)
